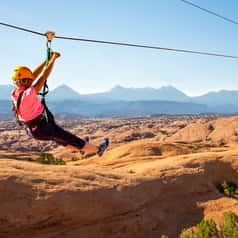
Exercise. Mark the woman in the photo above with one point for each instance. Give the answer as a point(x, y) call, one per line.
point(30, 111)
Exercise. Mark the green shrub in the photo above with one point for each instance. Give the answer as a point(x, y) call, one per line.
point(164, 236)
point(187, 233)
point(47, 158)
point(182, 126)
point(164, 132)
point(74, 159)
point(229, 189)
point(229, 227)
point(207, 229)
point(211, 127)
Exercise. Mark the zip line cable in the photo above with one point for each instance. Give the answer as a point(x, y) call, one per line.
point(123, 43)
point(21, 29)
point(209, 11)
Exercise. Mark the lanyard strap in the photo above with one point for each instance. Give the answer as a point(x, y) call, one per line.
point(50, 36)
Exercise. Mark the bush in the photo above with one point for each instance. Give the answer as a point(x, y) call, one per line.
point(148, 135)
point(182, 126)
point(211, 127)
point(187, 234)
point(164, 132)
point(229, 189)
point(208, 228)
point(229, 228)
point(47, 158)
point(74, 159)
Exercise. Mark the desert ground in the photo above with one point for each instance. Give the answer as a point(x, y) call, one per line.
point(159, 175)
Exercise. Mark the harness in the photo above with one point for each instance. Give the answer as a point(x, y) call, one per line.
point(45, 115)
point(15, 108)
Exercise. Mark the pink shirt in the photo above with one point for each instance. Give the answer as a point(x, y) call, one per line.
point(30, 106)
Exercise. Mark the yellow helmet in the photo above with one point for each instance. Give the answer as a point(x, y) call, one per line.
point(22, 72)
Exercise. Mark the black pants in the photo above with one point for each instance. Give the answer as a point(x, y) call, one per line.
point(50, 131)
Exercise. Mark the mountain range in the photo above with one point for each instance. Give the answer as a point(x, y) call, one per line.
point(121, 101)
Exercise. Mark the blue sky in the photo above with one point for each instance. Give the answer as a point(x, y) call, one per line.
point(89, 68)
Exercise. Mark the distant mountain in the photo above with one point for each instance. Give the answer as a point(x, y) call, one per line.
point(121, 101)
point(125, 108)
point(223, 97)
point(141, 94)
point(118, 93)
point(63, 92)
point(115, 108)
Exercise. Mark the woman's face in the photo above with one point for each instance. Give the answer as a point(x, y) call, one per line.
point(22, 83)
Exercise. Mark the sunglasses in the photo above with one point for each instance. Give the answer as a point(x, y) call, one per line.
point(22, 82)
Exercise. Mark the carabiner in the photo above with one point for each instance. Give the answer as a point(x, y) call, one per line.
point(50, 35)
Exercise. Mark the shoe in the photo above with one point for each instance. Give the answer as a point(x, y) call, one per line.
point(103, 146)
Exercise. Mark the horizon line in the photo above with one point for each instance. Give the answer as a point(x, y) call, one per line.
point(117, 85)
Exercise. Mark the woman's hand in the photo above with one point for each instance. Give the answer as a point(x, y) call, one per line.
point(55, 55)
point(39, 84)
